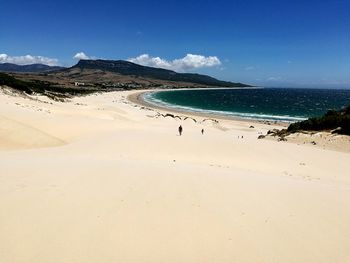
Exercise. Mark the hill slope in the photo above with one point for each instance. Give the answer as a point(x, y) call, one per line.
point(128, 68)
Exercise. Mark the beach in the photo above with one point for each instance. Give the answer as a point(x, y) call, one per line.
point(107, 178)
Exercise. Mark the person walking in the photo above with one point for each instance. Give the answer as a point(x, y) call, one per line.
point(180, 130)
point(202, 131)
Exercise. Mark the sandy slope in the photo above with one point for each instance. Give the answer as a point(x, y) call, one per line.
point(100, 180)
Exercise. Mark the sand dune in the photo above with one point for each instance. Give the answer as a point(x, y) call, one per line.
point(16, 135)
point(121, 186)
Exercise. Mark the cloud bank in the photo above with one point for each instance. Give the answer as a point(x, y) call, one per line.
point(81, 55)
point(190, 61)
point(28, 59)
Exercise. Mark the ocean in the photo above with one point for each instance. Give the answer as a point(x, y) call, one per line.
point(275, 104)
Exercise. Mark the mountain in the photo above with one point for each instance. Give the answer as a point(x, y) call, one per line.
point(33, 68)
point(115, 71)
point(100, 75)
point(131, 69)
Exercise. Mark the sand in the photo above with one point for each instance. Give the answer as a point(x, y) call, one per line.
point(100, 179)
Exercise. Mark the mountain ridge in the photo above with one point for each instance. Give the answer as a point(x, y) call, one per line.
point(30, 68)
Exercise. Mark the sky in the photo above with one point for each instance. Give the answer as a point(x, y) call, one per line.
point(266, 43)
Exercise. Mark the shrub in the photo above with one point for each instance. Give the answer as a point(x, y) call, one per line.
point(331, 120)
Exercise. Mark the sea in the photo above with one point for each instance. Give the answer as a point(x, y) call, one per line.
point(272, 104)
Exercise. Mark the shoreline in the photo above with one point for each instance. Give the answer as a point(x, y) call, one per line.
point(138, 99)
point(321, 139)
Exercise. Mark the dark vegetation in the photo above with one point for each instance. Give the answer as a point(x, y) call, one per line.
point(338, 121)
point(40, 87)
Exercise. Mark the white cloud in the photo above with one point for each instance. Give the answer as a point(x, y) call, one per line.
point(146, 60)
point(81, 55)
point(190, 61)
point(28, 59)
point(274, 78)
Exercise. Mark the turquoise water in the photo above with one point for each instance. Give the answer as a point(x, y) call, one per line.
point(281, 104)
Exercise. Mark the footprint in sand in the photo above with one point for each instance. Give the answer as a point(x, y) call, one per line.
point(287, 174)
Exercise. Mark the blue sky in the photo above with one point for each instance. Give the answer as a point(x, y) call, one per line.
point(269, 43)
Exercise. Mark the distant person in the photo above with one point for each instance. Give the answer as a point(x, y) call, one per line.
point(202, 131)
point(180, 130)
